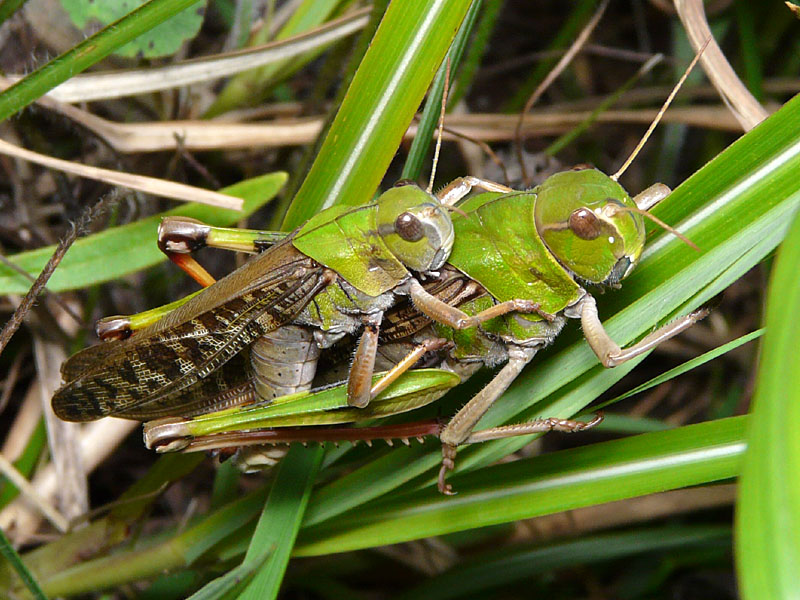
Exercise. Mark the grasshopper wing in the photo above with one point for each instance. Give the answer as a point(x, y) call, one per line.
point(143, 377)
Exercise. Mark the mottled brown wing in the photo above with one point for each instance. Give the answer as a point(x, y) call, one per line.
point(228, 386)
point(83, 360)
point(142, 377)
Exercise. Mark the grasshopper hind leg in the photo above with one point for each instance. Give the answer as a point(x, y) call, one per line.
point(543, 425)
point(461, 425)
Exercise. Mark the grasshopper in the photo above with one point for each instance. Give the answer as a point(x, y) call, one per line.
point(517, 271)
point(349, 264)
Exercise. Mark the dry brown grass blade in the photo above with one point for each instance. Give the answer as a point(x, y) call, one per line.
point(97, 441)
point(132, 82)
point(190, 135)
point(25, 422)
point(148, 185)
point(743, 105)
point(72, 492)
point(11, 379)
point(29, 493)
point(487, 127)
point(494, 127)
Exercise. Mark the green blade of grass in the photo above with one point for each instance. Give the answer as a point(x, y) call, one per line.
point(385, 93)
point(8, 8)
point(418, 152)
point(685, 367)
point(768, 515)
point(280, 521)
point(129, 248)
point(224, 586)
point(24, 464)
point(7, 551)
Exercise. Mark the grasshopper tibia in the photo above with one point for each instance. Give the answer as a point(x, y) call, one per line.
point(544, 425)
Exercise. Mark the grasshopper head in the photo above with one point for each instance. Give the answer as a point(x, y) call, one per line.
point(583, 219)
point(415, 226)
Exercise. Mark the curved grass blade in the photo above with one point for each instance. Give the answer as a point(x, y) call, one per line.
point(685, 367)
point(768, 511)
point(280, 521)
point(418, 152)
point(7, 551)
point(8, 8)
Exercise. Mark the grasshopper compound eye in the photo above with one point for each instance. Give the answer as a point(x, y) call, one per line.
point(585, 224)
point(415, 227)
point(408, 227)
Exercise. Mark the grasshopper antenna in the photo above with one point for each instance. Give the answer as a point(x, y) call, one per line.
point(660, 223)
point(446, 89)
point(660, 114)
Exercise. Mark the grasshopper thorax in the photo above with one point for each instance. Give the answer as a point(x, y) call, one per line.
point(415, 226)
point(583, 219)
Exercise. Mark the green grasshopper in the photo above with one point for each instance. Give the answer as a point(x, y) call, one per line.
point(514, 276)
point(340, 270)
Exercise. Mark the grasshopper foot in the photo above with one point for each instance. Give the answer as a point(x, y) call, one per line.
point(448, 464)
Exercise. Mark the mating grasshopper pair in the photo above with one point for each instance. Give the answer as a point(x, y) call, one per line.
point(513, 276)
